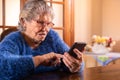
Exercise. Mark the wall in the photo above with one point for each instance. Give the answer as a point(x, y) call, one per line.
point(87, 19)
point(82, 20)
point(12, 9)
point(96, 17)
point(111, 21)
point(100, 17)
point(111, 18)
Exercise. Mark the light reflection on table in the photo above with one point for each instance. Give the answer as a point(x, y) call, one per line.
point(110, 72)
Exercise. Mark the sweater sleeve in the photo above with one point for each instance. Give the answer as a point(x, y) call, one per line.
point(12, 65)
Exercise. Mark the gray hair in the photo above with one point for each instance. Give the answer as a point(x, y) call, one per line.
point(32, 9)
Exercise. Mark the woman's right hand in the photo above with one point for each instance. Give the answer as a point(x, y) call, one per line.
point(50, 59)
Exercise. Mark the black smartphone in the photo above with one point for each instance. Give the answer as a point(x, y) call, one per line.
point(79, 45)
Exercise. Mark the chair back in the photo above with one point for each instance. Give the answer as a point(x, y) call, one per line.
point(6, 32)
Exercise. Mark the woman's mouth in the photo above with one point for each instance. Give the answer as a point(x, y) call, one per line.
point(42, 35)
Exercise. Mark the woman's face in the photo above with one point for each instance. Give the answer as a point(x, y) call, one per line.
point(38, 29)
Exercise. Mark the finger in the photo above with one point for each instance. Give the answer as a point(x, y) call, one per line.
point(55, 60)
point(52, 55)
point(69, 57)
point(67, 62)
point(75, 69)
point(70, 61)
point(78, 53)
point(58, 59)
point(72, 67)
point(59, 55)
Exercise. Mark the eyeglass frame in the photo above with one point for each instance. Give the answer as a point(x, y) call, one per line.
point(42, 23)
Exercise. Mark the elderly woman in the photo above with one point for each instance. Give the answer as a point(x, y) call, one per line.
point(35, 47)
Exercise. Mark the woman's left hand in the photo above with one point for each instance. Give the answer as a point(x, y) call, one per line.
point(74, 64)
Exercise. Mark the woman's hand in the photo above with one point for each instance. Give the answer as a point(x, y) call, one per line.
point(50, 59)
point(72, 63)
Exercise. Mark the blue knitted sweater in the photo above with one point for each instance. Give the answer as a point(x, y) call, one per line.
point(16, 55)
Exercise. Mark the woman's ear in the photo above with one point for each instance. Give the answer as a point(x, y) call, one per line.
point(22, 22)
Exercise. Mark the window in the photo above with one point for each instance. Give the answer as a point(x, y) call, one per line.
point(64, 20)
point(9, 13)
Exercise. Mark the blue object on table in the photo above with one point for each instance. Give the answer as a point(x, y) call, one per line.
point(106, 58)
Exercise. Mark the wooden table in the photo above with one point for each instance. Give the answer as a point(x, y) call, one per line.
point(110, 72)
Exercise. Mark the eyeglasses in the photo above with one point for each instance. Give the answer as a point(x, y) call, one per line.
point(42, 23)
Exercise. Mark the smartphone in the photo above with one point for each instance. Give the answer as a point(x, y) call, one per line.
point(79, 45)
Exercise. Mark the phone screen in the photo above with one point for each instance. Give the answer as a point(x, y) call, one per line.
point(79, 45)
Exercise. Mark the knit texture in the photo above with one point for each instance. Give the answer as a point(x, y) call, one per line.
point(16, 55)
